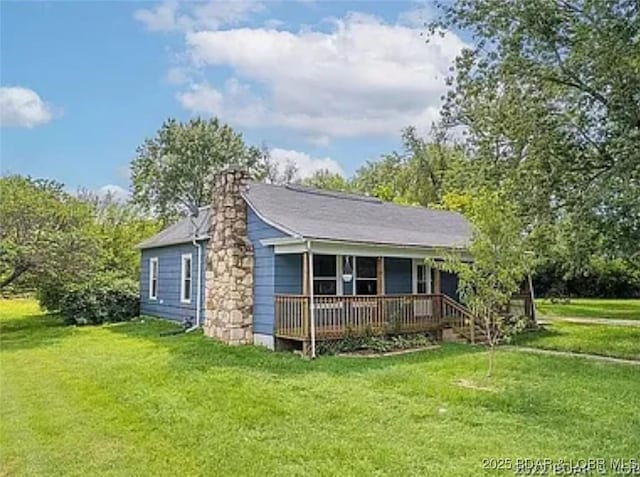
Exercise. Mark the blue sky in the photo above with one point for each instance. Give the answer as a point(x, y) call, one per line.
point(323, 84)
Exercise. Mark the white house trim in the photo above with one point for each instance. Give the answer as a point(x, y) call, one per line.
point(183, 277)
point(414, 276)
point(153, 265)
point(289, 245)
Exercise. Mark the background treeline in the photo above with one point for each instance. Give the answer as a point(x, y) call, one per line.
point(61, 245)
point(573, 257)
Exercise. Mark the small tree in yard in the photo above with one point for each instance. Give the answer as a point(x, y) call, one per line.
point(499, 265)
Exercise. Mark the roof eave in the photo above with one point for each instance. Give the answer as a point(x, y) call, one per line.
point(146, 246)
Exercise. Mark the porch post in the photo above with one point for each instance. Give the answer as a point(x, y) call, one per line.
point(312, 306)
point(439, 311)
point(380, 303)
point(380, 277)
point(436, 281)
point(305, 273)
point(305, 306)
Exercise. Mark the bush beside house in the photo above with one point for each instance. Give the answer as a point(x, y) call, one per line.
point(100, 301)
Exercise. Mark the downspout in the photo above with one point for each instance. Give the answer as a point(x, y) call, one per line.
point(198, 281)
point(312, 304)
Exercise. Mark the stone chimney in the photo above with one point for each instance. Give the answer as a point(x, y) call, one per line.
point(229, 276)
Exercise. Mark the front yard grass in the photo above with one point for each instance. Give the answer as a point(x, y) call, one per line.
point(122, 400)
point(592, 308)
point(604, 340)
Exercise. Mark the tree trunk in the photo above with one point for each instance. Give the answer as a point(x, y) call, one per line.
point(492, 351)
point(17, 272)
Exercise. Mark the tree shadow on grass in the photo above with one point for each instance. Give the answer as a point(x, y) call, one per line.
point(195, 352)
point(530, 337)
point(32, 332)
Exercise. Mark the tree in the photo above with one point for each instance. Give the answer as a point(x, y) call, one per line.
point(550, 98)
point(118, 227)
point(499, 262)
point(418, 175)
point(325, 179)
point(176, 167)
point(43, 233)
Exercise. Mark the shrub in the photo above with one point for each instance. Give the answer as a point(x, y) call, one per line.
point(374, 344)
point(101, 300)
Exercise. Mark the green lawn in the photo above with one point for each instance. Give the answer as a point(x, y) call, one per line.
point(605, 340)
point(592, 308)
point(122, 400)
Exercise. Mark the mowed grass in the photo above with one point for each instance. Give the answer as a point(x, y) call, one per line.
point(123, 400)
point(592, 308)
point(604, 340)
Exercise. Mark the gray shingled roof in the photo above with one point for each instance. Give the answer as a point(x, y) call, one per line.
point(317, 214)
point(313, 213)
point(181, 231)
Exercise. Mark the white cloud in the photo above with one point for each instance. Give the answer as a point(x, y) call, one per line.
point(305, 165)
point(117, 193)
point(234, 102)
point(160, 18)
point(365, 77)
point(23, 107)
point(178, 75)
point(171, 15)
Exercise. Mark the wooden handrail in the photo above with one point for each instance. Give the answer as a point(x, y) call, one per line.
point(356, 315)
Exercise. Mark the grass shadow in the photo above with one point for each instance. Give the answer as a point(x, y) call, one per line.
point(194, 351)
point(32, 332)
point(530, 337)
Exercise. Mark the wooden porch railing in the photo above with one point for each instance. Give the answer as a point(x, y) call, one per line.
point(458, 317)
point(292, 316)
point(341, 316)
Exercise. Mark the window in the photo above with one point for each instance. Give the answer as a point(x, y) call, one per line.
point(421, 277)
point(153, 278)
point(325, 275)
point(366, 275)
point(185, 283)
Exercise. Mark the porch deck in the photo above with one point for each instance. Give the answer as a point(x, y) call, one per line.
point(342, 316)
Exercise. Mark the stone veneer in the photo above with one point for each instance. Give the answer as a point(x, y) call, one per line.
point(229, 275)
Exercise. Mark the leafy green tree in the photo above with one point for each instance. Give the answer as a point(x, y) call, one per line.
point(176, 167)
point(499, 264)
point(44, 233)
point(418, 175)
point(550, 97)
point(118, 226)
point(324, 179)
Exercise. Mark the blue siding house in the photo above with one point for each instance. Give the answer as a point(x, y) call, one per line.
point(281, 264)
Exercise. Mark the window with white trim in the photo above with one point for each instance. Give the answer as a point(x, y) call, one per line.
point(366, 275)
point(325, 274)
point(153, 278)
point(185, 281)
point(421, 277)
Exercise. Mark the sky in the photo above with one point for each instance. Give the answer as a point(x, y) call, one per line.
point(325, 85)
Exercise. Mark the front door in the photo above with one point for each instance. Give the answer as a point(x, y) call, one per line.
point(421, 286)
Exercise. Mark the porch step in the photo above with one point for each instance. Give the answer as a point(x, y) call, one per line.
point(463, 335)
point(450, 336)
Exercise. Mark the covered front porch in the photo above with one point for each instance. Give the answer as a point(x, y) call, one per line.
point(327, 290)
point(350, 316)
